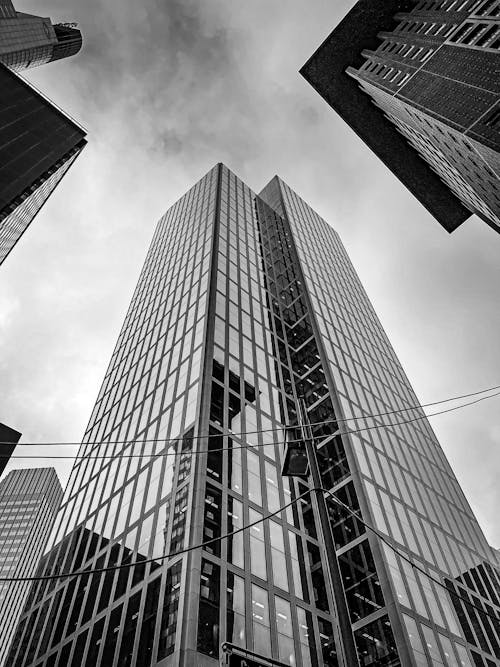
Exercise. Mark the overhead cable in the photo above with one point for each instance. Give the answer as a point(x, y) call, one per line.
point(272, 430)
point(195, 452)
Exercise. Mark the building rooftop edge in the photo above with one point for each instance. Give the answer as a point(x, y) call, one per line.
point(8, 431)
point(16, 75)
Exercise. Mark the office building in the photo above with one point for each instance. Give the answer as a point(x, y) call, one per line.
point(8, 441)
point(29, 500)
point(28, 41)
point(418, 81)
point(38, 144)
point(247, 303)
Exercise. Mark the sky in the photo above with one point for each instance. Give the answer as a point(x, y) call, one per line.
point(165, 90)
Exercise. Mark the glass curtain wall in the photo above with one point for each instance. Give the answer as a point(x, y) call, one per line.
point(245, 304)
point(402, 478)
point(127, 497)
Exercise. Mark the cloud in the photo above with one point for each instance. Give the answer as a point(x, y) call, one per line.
point(167, 88)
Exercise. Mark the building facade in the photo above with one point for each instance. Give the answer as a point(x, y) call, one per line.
point(434, 75)
point(29, 500)
point(245, 305)
point(38, 144)
point(28, 41)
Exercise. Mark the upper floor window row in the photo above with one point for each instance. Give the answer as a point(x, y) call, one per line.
point(447, 5)
point(481, 34)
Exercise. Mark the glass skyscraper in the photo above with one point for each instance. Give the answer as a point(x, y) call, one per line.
point(38, 144)
point(245, 305)
point(28, 41)
point(29, 500)
point(429, 69)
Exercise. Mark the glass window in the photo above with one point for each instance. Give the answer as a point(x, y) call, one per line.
point(208, 619)
point(306, 638)
point(463, 656)
point(415, 641)
point(235, 552)
point(432, 645)
point(273, 496)
point(278, 555)
point(257, 547)
point(254, 489)
point(147, 633)
point(129, 629)
point(375, 643)
point(235, 609)
point(260, 620)
point(285, 630)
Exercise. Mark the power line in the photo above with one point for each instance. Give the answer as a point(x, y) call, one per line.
point(80, 573)
point(195, 452)
point(406, 558)
point(272, 430)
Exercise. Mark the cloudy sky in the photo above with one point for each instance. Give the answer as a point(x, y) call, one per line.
point(167, 88)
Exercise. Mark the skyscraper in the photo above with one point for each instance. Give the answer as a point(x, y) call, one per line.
point(29, 500)
point(28, 41)
point(245, 305)
point(38, 144)
point(418, 82)
point(8, 441)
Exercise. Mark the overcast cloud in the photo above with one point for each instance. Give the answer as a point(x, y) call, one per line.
point(168, 88)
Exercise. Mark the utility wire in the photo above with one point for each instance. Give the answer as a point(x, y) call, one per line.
point(272, 430)
point(194, 452)
point(407, 558)
point(81, 573)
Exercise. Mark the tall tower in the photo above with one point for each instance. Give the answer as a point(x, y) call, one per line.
point(28, 41)
point(431, 68)
point(29, 500)
point(247, 303)
point(38, 144)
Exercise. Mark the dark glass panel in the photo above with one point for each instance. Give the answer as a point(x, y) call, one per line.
point(376, 645)
point(332, 462)
point(212, 524)
point(95, 643)
point(217, 404)
point(76, 608)
point(208, 621)
point(327, 643)
point(52, 617)
point(318, 579)
point(169, 617)
point(307, 513)
point(345, 526)
point(63, 615)
point(214, 459)
point(79, 649)
point(112, 636)
point(64, 657)
point(93, 587)
point(37, 632)
point(129, 628)
point(147, 633)
point(361, 583)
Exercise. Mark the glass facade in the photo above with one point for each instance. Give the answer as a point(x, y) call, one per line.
point(247, 303)
point(29, 41)
point(434, 75)
point(38, 144)
point(14, 224)
point(29, 500)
